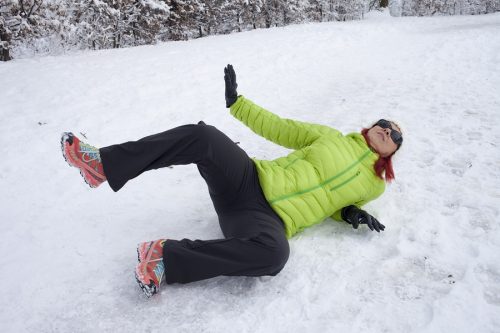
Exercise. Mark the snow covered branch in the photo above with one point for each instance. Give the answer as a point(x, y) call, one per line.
point(442, 7)
point(29, 27)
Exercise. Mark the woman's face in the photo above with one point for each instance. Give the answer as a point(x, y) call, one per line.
point(381, 141)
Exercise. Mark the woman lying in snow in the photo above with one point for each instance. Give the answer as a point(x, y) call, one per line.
point(260, 204)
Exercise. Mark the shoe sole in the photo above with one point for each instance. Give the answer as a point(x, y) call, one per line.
point(139, 258)
point(68, 137)
point(148, 289)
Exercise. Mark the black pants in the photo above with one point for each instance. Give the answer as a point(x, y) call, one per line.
point(255, 243)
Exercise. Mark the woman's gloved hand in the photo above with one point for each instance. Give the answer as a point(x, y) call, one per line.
point(231, 85)
point(355, 216)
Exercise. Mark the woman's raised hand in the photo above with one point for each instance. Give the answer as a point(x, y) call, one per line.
point(231, 85)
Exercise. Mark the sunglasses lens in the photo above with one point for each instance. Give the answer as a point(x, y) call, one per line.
point(396, 137)
point(384, 123)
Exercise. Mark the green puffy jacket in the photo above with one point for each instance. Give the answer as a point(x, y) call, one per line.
point(326, 172)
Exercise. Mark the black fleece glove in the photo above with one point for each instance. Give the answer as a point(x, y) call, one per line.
point(231, 85)
point(355, 216)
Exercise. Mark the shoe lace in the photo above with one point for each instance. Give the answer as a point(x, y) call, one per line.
point(158, 268)
point(159, 271)
point(89, 153)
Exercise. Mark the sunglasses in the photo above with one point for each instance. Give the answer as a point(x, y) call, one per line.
point(396, 136)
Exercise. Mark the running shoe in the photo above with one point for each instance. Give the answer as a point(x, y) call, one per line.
point(84, 157)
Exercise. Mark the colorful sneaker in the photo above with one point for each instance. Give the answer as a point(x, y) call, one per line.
point(84, 157)
point(150, 270)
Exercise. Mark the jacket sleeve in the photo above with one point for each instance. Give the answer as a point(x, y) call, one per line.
point(284, 132)
point(337, 216)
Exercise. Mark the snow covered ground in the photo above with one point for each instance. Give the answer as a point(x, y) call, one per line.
point(68, 251)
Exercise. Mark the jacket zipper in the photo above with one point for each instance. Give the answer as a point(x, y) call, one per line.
point(288, 196)
point(345, 181)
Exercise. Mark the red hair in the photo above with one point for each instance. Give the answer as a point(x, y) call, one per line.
point(383, 166)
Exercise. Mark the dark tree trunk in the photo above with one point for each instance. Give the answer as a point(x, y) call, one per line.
point(4, 52)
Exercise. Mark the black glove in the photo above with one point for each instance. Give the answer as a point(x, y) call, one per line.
point(231, 85)
point(355, 216)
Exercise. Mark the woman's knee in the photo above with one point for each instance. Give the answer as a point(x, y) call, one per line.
point(276, 254)
point(205, 132)
point(280, 257)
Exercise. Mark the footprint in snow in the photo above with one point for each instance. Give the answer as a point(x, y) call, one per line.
point(489, 277)
point(458, 167)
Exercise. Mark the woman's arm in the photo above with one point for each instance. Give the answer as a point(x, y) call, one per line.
point(285, 132)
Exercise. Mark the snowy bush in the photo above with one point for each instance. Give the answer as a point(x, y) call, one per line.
point(442, 7)
point(29, 27)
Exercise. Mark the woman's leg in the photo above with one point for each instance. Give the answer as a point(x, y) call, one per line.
point(258, 247)
point(221, 162)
